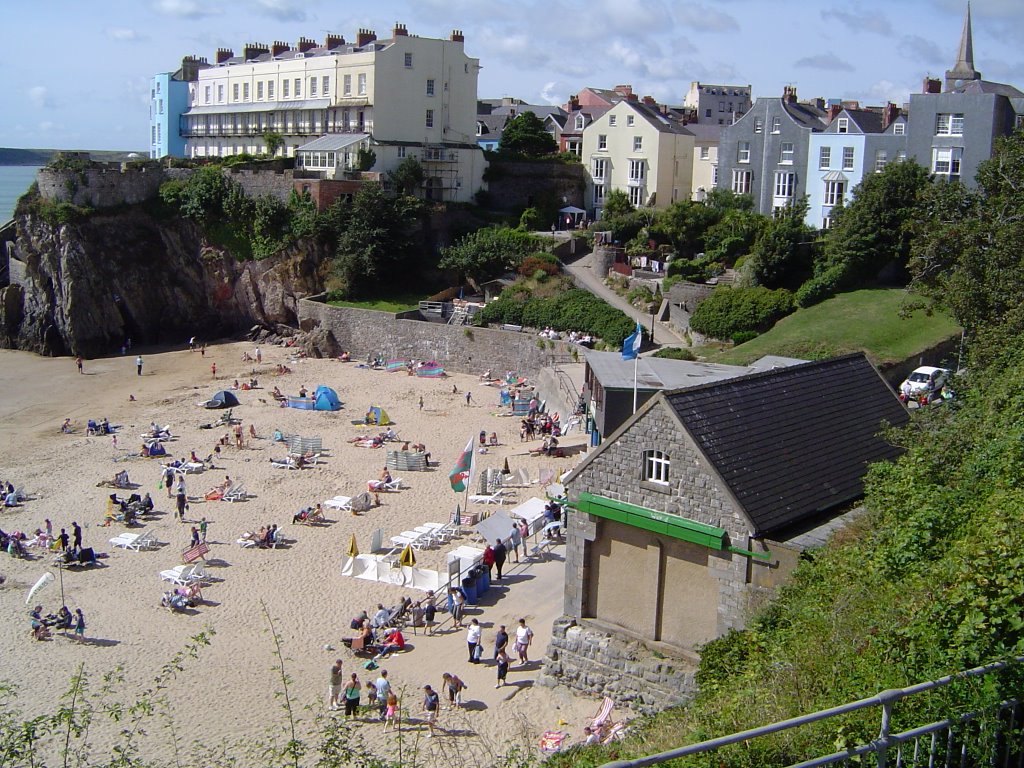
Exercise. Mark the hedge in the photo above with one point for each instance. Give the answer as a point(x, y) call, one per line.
point(731, 311)
point(573, 310)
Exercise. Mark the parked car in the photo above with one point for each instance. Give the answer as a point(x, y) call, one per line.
point(924, 381)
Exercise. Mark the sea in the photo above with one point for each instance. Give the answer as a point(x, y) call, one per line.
point(14, 182)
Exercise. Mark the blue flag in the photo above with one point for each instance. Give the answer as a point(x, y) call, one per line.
point(631, 345)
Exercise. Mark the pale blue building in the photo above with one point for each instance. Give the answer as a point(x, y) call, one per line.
point(168, 100)
point(854, 144)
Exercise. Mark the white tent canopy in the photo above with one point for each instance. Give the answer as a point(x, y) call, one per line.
point(571, 209)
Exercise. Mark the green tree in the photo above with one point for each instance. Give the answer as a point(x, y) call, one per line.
point(525, 135)
point(727, 200)
point(365, 158)
point(274, 142)
point(488, 252)
point(684, 225)
point(378, 247)
point(783, 254)
point(616, 203)
point(407, 178)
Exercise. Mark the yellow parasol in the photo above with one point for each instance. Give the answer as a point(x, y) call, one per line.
point(407, 557)
point(353, 550)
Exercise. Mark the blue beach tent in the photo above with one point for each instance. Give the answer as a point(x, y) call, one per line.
point(326, 399)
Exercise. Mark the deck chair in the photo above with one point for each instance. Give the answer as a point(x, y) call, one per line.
point(190, 467)
point(498, 497)
point(601, 721)
point(614, 733)
point(246, 543)
point(180, 574)
point(343, 503)
point(236, 493)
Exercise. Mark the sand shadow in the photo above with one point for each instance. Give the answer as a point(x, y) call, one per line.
point(101, 642)
point(473, 705)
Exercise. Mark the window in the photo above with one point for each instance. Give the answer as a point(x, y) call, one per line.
point(714, 175)
point(949, 124)
point(656, 466)
point(206, 94)
point(785, 183)
point(786, 157)
point(284, 89)
point(758, 125)
point(901, 156)
point(705, 153)
point(158, 133)
point(234, 92)
point(721, 106)
point(408, 59)
point(899, 129)
point(602, 141)
point(158, 86)
point(325, 85)
point(946, 161)
point(298, 87)
point(160, 106)
point(843, 125)
point(834, 191)
point(401, 152)
point(581, 122)
point(741, 182)
point(346, 87)
point(245, 91)
point(612, 119)
point(824, 158)
point(629, 120)
point(430, 118)
point(259, 91)
point(743, 152)
point(430, 87)
point(776, 124)
point(270, 89)
point(847, 158)
point(362, 84)
point(600, 164)
point(881, 158)
point(638, 143)
point(707, 113)
point(152, 135)
point(220, 93)
point(598, 194)
point(637, 170)
point(312, 86)
point(636, 196)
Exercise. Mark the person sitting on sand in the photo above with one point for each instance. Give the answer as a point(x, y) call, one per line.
point(66, 426)
point(345, 357)
point(385, 476)
point(276, 394)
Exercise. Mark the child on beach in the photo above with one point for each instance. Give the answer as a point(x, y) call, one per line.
point(79, 625)
point(503, 662)
point(391, 712)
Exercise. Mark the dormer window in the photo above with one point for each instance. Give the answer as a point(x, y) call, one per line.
point(580, 122)
point(656, 467)
point(843, 125)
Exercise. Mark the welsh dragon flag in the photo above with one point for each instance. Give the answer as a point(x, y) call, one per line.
point(461, 477)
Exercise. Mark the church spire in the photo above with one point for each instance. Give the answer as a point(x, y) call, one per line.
point(963, 70)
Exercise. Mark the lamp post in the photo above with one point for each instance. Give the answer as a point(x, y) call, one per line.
point(654, 309)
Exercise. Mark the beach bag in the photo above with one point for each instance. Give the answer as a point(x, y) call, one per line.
point(478, 652)
point(370, 665)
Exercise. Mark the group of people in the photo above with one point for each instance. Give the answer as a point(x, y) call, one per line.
point(265, 538)
point(539, 424)
point(63, 620)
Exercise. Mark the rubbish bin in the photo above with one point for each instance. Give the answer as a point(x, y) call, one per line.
point(483, 582)
point(469, 587)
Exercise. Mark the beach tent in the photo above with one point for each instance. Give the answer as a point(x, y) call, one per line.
point(326, 399)
point(377, 415)
point(222, 399)
point(156, 448)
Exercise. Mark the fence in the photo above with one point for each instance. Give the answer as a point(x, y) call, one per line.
point(954, 741)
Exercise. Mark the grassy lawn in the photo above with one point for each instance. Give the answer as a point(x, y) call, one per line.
point(866, 320)
point(393, 302)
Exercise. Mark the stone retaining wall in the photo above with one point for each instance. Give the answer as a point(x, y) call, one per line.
point(103, 187)
point(586, 658)
point(455, 347)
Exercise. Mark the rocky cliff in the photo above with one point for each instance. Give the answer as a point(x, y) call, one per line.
point(84, 287)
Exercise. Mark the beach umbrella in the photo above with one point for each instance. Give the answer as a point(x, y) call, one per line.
point(457, 517)
point(505, 470)
point(46, 578)
point(353, 550)
point(407, 557)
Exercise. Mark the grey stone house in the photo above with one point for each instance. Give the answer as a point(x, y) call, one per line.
point(698, 507)
point(772, 137)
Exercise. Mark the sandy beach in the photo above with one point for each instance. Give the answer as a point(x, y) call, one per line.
point(228, 694)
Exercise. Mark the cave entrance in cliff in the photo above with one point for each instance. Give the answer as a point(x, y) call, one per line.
point(131, 329)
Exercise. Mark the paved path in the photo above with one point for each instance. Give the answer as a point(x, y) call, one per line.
point(582, 271)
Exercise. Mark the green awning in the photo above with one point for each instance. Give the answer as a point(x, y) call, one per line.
point(650, 520)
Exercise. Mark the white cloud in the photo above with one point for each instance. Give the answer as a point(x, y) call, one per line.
point(701, 17)
point(123, 35)
point(282, 10)
point(548, 96)
point(860, 21)
point(827, 61)
point(186, 9)
point(39, 96)
point(886, 90)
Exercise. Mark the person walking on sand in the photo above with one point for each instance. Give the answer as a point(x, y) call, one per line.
point(473, 641)
point(500, 554)
point(421, 402)
point(76, 534)
point(352, 696)
point(202, 529)
point(503, 662)
point(391, 712)
point(500, 641)
point(455, 687)
point(169, 480)
point(138, 365)
point(431, 703)
point(383, 686)
point(79, 625)
point(213, 369)
point(181, 502)
point(78, 362)
point(515, 538)
point(334, 686)
point(524, 637)
point(195, 537)
point(469, 398)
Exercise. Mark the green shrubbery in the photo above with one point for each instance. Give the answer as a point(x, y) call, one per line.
point(675, 353)
point(730, 311)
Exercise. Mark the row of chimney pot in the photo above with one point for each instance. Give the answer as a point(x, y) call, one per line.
point(364, 37)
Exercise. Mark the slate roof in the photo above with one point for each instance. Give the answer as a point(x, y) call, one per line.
point(988, 86)
point(795, 442)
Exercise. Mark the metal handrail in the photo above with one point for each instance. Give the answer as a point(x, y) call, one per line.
point(884, 699)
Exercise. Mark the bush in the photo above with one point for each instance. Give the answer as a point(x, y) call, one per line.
point(729, 311)
point(675, 353)
point(531, 220)
point(820, 287)
point(743, 336)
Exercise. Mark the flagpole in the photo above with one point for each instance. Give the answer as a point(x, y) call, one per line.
point(636, 360)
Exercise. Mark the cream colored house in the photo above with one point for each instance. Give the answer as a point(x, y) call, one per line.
point(637, 148)
point(705, 158)
point(408, 96)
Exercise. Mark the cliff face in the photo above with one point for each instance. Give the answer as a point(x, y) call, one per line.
point(84, 287)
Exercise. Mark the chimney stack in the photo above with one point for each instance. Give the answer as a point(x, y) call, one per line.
point(399, 31)
point(305, 44)
point(889, 113)
point(789, 94)
point(252, 50)
point(365, 37)
point(574, 104)
point(833, 111)
point(190, 66)
point(457, 36)
point(626, 91)
point(333, 41)
point(278, 48)
point(932, 85)
point(650, 101)
point(223, 54)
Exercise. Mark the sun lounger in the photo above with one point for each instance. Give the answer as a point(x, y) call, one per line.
point(183, 575)
point(343, 503)
point(190, 467)
point(135, 541)
point(406, 537)
point(498, 497)
point(236, 493)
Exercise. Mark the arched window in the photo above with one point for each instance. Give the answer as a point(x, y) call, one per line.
point(656, 466)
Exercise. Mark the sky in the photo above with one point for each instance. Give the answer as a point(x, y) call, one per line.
point(76, 75)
